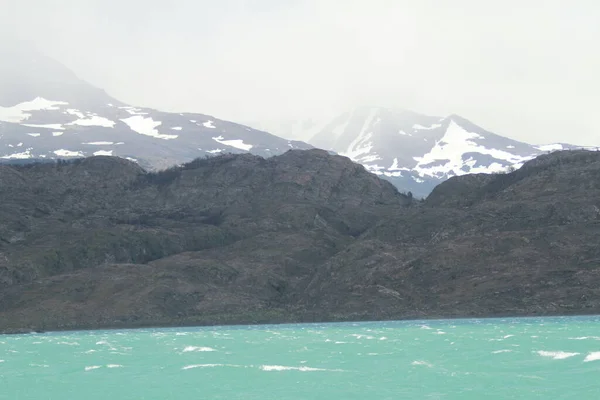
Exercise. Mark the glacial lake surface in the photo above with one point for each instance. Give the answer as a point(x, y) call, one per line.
point(521, 358)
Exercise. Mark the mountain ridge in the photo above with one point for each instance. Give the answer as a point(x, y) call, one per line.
point(304, 236)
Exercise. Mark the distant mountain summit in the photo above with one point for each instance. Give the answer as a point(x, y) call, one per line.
point(47, 112)
point(417, 152)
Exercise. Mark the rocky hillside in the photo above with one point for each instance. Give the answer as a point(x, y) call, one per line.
point(47, 112)
point(416, 152)
point(303, 236)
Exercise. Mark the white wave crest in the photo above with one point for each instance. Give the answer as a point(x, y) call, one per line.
point(302, 369)
point(594, 356)
point(424, 363)
point(114, 366)
point(557, 355)
point(210, 366)
point(195, 348)
point(92, 367)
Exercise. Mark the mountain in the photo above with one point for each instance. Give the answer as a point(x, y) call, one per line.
point(417, 152)
point(305, 236)
point(47, 112)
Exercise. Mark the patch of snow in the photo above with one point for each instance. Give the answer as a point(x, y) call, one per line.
point(177, 128)
point(133, 110)
point(19, 144)
point(68, 153)
point(214, 151)
point(362, 145)
point(131, 159)
point(146, 126)
point(193, 121)
point(395, 166)
point(421, 127)
point(209, 124)
point(401, 132)
point(75, 112)
point(510, 147)
point(103, 153)
point(20, 112)
point(550, 147)
point(47, 126)
point(418, 180)
point(237, 143)
point(370, 158)
point(57, 133)
point(34, 134)
point(94, 121)
point(393, 174)
point(374, 168)
point(450, 150)
point(19, 156)
point(99, 143)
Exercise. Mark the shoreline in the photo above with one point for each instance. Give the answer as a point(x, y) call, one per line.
point(276, 322)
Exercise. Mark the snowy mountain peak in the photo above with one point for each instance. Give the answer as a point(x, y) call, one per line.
point(417, 151)
point(47, 112)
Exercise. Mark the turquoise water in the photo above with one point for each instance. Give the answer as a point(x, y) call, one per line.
point(543, 358)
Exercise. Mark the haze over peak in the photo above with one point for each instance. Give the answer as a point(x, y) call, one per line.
point(523, 70)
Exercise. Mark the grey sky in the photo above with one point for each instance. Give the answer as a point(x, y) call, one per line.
point(526, 69)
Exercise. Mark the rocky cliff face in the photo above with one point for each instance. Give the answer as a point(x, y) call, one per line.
point(298, 237)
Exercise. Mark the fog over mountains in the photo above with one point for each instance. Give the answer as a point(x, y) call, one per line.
point(47, 112)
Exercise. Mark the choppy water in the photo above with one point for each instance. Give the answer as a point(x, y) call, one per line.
point(543, 358)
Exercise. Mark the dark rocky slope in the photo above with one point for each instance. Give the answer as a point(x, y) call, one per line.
point(299, 237)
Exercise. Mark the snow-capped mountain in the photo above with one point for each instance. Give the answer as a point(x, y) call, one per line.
point(47, 112)
point(416, 152)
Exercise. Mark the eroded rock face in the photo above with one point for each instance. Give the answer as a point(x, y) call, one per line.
point(299, 237)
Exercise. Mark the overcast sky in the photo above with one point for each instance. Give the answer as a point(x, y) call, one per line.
point(527, 69)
